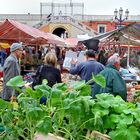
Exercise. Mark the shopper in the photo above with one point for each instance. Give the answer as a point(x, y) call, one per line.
point(49, 70)
point(11, 69)
point(87, 68)
point(114, 82)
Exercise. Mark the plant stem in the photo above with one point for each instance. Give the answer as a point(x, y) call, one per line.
point(85, 122)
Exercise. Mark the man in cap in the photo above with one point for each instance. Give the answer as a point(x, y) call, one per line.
point(11, 69)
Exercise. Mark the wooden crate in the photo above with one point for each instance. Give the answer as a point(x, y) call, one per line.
point(97, 135)
point(50, 136)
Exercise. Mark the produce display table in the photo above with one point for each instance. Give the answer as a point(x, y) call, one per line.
point(131, 91)
point(69, 79)
point(132, 80)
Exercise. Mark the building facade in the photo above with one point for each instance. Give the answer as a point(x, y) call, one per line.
point(77, 24)
point(106, 23)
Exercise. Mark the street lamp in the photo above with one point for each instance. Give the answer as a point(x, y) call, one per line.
point(119, 15)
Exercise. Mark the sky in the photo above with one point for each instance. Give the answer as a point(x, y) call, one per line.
point(92, 7)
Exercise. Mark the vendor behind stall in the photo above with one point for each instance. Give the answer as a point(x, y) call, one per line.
point(28, 60)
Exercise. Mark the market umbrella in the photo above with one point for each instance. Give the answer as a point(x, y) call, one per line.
point(91, 44)
point(71, 42)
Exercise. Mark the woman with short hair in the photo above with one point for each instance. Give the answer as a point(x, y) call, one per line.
point(49, 71)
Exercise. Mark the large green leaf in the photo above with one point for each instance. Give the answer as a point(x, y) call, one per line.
point(43, 86)
point(61, 86)
point(56, 97)
point(130, 133)
point(119, 108)
point(105, 100)
point(105, 96)
point(78, 85)
point(108, 124)
point(98, 122)
point(4, 104)
point(71, 95)
point(8, 117)
point(127, 119)
point(85, 90)
point(76, 111)
point(136, 113)
point(40, 91)
point(56, 93)
point(44, 125)
point(86, 103)
point(115, 118)
point(35, 113)
point(34, 94)
point(27, 102)
point(16, 82)
point(100, 80)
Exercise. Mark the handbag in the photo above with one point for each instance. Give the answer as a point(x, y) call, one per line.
point(37, 77)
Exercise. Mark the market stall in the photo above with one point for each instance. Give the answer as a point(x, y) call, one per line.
point(13, 31)
point(127, 39)
point(71, 42)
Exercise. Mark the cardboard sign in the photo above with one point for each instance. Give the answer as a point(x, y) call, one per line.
point(68, 57)
point(81, 57)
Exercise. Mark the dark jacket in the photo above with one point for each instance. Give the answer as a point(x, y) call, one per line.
point(50, 73)
point(114, 83)
point(86, 69)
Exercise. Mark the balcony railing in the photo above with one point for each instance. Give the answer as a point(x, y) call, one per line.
point(38, 17)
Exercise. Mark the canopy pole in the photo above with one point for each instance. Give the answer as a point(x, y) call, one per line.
point(128, 55)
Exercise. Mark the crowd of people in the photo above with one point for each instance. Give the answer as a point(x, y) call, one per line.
point(46, 62)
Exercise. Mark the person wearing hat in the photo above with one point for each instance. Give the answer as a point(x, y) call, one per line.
point(11, 69)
